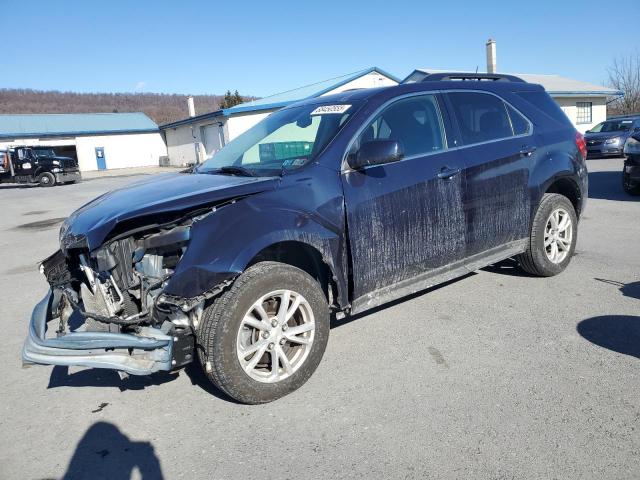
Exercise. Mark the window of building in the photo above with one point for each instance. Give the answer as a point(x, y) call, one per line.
point(583, 112)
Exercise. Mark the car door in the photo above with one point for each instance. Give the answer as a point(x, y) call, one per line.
point(26, 162)
point(498, 148)
point(404, 218)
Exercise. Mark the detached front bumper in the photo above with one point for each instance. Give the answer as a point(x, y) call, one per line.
point(142, 354)
point(62, 177)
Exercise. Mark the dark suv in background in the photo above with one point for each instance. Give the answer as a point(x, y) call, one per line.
point(631, 168)
point(331, 206)
point(607, 139)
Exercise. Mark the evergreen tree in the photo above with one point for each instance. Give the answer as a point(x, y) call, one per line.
point(231, 99)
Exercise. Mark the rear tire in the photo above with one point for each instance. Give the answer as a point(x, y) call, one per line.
point(627, 185)
point(553, 238)
point(248, 318)
point(46, 179)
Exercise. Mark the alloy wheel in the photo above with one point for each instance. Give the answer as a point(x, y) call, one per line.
point(558, 235)
point(275, 336)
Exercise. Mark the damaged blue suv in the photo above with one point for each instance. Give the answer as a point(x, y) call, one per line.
point(328, 207)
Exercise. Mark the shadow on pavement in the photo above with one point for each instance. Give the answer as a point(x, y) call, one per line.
point(631, 290)
point(104, 452)
point(350, 318)
point(14, 186)
point(619, 333)
point(100, 377)
point(507, 267)
point(608, 186)
point(199, 379)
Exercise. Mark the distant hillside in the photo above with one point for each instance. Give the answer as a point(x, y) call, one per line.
point(162, 108)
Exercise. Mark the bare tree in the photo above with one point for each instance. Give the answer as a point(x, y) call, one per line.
point(624, 74)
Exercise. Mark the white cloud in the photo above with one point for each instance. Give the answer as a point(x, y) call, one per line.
point(140, 85)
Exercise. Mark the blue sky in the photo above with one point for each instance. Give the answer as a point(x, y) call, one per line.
point(264, 47)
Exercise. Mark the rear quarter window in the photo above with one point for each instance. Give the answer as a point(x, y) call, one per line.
point(543, 102)
point(520, 124)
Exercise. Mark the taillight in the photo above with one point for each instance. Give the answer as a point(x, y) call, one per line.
point(582, 145)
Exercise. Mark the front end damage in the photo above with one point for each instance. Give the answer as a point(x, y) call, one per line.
point(106, 307)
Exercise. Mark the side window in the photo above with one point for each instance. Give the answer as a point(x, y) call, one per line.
point(415, 122)
point(520, 124)
point(481, 117)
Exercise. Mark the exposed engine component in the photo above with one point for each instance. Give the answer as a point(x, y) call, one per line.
point(119, 284)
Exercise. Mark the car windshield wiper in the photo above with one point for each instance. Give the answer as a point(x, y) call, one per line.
point(233, 170)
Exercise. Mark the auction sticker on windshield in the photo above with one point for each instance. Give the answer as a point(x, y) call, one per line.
point(330, 109)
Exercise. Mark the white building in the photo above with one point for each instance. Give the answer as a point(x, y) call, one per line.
point(198, 137)
point(98, 140)
point(584, 103)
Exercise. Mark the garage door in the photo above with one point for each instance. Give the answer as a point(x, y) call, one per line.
point(212, 137)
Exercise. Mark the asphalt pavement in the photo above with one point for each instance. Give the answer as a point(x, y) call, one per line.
point(497, 375)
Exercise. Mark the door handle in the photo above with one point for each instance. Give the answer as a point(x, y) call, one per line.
point(447, 173)
point(527, 150)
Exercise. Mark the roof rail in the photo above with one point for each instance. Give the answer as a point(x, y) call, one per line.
point(494, 77)
point(626, 115)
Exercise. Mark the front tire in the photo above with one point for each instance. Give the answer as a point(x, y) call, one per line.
point(265, 336)
point(46, 179)
point(553, 238)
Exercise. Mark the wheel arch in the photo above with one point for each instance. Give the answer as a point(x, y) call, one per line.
point(40, 170)
point(569, 188)
point(304, 256)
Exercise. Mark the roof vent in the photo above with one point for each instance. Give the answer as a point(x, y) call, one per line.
point(192, 108)
point(491, 56)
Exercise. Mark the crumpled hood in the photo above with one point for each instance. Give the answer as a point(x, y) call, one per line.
point(159, 194)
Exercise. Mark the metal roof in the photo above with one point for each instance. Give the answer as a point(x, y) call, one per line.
point(195, 119)
point(282, 99)
point(553, 84)
point(74, 124)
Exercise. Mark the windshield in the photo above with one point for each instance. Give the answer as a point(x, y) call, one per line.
point(45, 152)
point(285, 140)
point(613, 126)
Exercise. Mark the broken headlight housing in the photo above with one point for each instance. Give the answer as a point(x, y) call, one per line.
point(117, 286)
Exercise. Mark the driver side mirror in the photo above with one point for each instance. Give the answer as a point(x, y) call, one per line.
point(376, 152)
